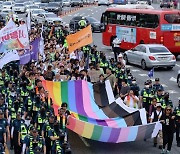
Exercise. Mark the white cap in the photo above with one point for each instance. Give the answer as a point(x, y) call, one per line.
point(120, 55)
point(158, 104)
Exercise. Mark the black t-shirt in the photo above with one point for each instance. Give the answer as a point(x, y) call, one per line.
point(169, 124)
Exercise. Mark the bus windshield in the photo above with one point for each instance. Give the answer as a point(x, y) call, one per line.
point(173, 18)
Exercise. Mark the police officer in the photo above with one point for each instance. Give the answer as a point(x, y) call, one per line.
point(3, 141)
point(157, 85)
point(23, 131)
point(160, 97)
point(116, 46)
point(146, 96)
point(3, 106)
point(35, 143)
point(46, 127)
point(135, 87)
point(167, 101)
point(36, 107)
point(14, 132)
point(82, 23)
point(177, 114)
point(40, 119)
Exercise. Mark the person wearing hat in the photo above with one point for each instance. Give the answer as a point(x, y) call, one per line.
point(177, 114)
point(121, 60)
point(159, 96)
point(167, 101)
point(168, 129)
point(3, 137)
point(15, 131)
point(35, 143)
point(156, 116)
point(116, 46)
point(135, 87)
point(157, 85)
point(46, 127)
point(146, 97)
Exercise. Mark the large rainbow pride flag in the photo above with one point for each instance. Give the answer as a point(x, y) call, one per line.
point(114, 122)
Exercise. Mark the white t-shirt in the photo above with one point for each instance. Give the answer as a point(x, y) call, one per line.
point(131, 103)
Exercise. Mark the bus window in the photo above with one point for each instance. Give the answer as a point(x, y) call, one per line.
point(173, 18)
point(112, 18)
point(148, 20)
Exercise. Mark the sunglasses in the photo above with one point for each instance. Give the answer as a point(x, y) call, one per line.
point(168, 109)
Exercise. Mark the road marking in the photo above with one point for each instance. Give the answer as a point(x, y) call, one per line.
point(164, 85)
point(92, 13)
point(84, 141)
point(173, 79)
point(172, 91)
point(135, 70)
point(127, 66)
point(143, 74)
point(177, 65)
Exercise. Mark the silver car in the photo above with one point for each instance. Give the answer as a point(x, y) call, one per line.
point(150, 55)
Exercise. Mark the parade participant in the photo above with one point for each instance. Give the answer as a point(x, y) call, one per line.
point(131, 100)
point(35, 143)
point(156, 116)
point(152, 107)
point(121, 60)
point(124, 89)
point(14, 132)
point(157, 85)
point(116, 46)
point(65, 106)
point(177, 114)
point(168, 129)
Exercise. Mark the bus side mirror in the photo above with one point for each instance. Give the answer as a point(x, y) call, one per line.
point(103, 25)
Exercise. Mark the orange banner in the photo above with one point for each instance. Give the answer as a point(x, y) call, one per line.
point(79, 39)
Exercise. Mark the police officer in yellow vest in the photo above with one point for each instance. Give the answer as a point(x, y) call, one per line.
point(167, 101)
point(146, 97)
point(82, 23)
point(177, 114)
point(23, 131)
point(36, 107)
point(160, 98)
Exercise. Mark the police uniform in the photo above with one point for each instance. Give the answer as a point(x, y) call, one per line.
point(177, 114)
point(2, 132)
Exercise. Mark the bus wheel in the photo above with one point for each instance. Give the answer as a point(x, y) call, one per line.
point(143, 64)
point(141, 42)
point(126, 59)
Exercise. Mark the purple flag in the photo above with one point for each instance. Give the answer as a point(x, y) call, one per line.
point(27, 55)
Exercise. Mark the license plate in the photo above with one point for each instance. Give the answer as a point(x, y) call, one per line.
point(177, 44)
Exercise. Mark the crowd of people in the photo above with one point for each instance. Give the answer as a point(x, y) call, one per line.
point(27, 119)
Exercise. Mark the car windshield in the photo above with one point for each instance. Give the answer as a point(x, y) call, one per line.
point(33, 7)
point(91, 19)
point(52, 4)
point(51, 15)
point(19, 4)
point(158, 50)
point(38, 11)
point(7, 3)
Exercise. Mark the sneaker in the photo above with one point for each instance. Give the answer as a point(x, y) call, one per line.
point(160, 147)
point(167, 152)
point(163, 151)
point(155, 144)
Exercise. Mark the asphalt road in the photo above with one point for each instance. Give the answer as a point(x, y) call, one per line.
point(167, 77)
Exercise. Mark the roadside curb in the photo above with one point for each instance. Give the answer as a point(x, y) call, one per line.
point(67, 12)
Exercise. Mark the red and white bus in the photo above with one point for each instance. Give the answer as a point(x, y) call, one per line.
point(135, 26)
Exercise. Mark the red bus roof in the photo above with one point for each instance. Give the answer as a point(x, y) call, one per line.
point(151, 11)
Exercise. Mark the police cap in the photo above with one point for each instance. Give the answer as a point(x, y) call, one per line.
point(160, 89)
point(146, 83)
point(156, 79)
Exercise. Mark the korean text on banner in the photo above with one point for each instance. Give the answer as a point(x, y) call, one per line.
point(79, 39)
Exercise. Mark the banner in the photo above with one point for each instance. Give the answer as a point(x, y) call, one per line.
point(79, 39)
point(27, 55)
point(12, 37)
point(7, 57)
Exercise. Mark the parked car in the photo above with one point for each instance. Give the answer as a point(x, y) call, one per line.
point(53, 7)
point(49, 17)
point(8, 4)
point(43, 5)
point(5, 12)
point(150, 55)
point(144, 2)
point(76, 3)
point(166, 3)
point(132, 1)
point(35, 12)
point(95, 24)
point(37, 2)
point(103, 2)
point(178, 79)
point(31, 7)
point(19, 8)
point(66, 3)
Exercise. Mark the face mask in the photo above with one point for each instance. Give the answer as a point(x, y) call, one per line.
point(122, 70)
point(129, 77)
point(13, 94)
point(133, 82)
point(147, 86)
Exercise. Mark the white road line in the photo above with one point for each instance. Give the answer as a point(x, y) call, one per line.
point(84, 141)
point(177, 65)
point(135, 70)
point(143, 74)
point(165, 86)
point(172, 91)
point(128, 66)
point(92, 13)
point(173, 79)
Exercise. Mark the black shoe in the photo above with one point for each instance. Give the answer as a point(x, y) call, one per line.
point(11, 148)
point(178, 144)
point(145, 140)
point(160, 147)
point(155, 144)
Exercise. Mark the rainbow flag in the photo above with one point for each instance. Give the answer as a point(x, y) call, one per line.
point(111, 134)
